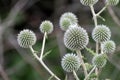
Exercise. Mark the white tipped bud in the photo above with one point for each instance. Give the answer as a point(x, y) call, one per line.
point(99, 60)
point(46, 26)
point(101, 33)
point(108, 46)
point(88, 2)
point(76, 38)
point(26, 38)
point(70, 62)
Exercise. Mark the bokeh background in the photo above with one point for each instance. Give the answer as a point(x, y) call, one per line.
point(19, 64)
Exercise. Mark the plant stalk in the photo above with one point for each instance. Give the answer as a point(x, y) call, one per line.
point(82, 62)
point(43, 64)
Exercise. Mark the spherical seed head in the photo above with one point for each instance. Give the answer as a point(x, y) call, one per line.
point(101, 33)
point(46, 26)
point(64, 23)
point(76, 38)
point(99, 60)
point(108, 46)
point(112, 2)
point(88, 2)
point(26, 38)
point(69, 15)
point(70, 62)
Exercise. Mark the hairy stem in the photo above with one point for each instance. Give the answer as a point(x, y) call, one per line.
point(43, 64)
point(75, 75)
point(82, 62)
point(43, 45)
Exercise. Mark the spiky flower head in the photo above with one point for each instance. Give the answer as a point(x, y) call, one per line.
point(69, 15)
point(76, 38)
point(46, 26)
point(88, 2)
point(101, 33)
point(99, 60)
point(70, 62)
point(26, 38)
point(108, 46)
point(112, 2)
point(65, 23)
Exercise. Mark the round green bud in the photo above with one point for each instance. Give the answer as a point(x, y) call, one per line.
point(64, 23)
point(88, 2)
point(76, 38)
point(26, 38)
point(99, 60)
point(70, 62)
point(101, 33)
point(112, 2)
point(69, 15)
point(46, 26)
point(108, 46)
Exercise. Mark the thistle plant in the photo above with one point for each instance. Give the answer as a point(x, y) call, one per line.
point(70, 62)
point(26, 38)
point(75, 39)
point(108, 47)
point(67, 19)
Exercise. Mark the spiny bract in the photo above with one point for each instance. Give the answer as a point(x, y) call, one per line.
point(88, 2)
point(108, 46)
point(76, 38)
point(112, 2)
point(46, 26)
point(26, 38)
point(101, 33)
point(99, 60)
point(70, 62)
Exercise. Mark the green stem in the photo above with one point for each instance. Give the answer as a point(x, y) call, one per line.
point(90, 73)
point(75, 75)
point(43, 64)
point(82, 62)
point(102, 10)
point(43, 45)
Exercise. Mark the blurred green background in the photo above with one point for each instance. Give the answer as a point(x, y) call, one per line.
point(19, 64)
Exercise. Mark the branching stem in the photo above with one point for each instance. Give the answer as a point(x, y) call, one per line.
point(43, 64)
point(90, 73)
point(95, 15)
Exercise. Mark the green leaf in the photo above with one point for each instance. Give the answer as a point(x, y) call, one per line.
point(90, 51)
point(47, 53)
point(50, 78)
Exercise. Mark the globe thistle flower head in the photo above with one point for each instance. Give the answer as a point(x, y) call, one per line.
point(101, 33)
point(112, 2)
point(26, 38)
point(108, 46)
point(88, 2)
point(46, 26)
point(70, 62)
point(69, 15)
point(76, 38)
point(99, 60)
point(64, 23)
